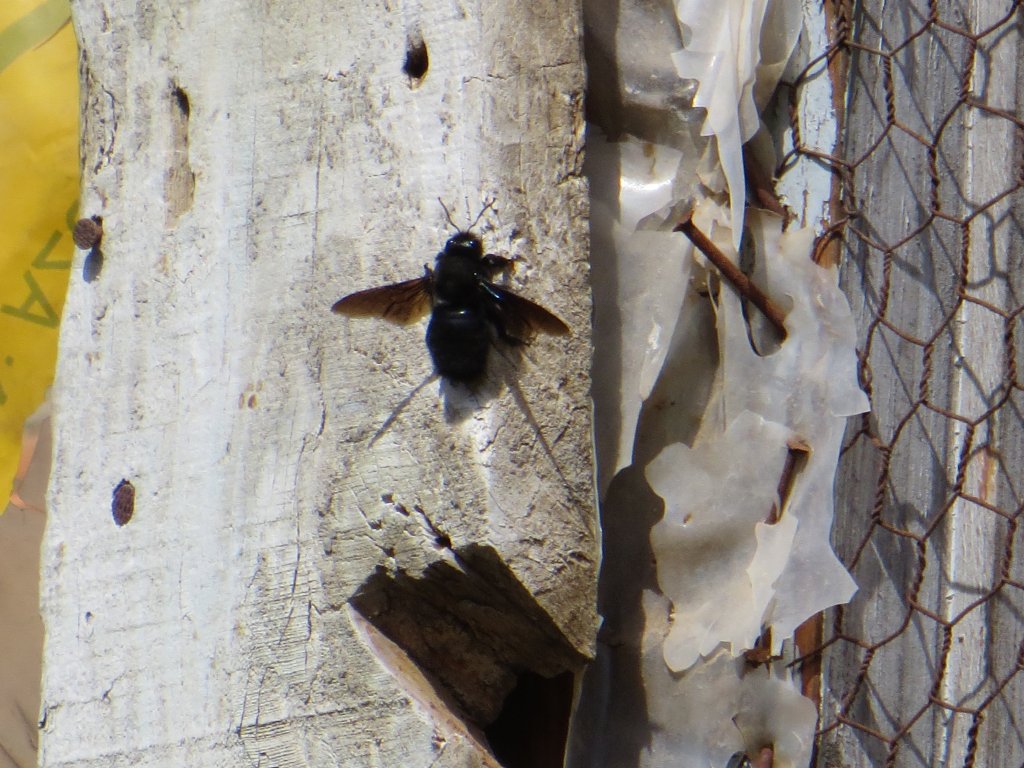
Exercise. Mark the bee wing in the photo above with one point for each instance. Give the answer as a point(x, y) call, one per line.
point(402, 303)
point(520, 318)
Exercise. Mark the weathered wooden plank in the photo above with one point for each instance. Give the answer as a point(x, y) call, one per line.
point(254, 162)
point(914, 539)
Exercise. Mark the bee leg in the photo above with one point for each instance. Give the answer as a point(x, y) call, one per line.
point(496, 263)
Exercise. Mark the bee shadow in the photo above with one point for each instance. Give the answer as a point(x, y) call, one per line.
point(462, 400)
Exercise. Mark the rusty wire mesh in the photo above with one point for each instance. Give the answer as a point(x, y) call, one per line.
point(925, 667)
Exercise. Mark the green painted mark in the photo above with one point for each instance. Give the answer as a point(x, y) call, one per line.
point(47, 318)
point(41, 261)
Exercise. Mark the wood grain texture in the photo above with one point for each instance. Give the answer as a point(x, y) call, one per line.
point(253, 163)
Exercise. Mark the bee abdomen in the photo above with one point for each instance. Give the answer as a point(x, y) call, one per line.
point(458, 339)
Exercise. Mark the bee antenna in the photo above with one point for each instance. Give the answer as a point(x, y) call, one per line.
point(448, 215)
point(488, 204)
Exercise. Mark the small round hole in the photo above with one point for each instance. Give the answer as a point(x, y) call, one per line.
point(416, 59)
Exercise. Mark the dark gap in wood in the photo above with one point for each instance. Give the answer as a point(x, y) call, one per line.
point(417, 60)
point(180, 180)
point(533, 726)
point(181, 98)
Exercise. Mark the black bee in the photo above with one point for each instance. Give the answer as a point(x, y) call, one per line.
point(468, 311)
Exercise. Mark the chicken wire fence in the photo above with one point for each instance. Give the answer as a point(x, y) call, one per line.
point(925, 666)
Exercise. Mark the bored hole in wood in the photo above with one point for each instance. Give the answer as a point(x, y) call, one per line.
point(182, 100)
point(533, 726)
point(417, 60)
point(180, 181)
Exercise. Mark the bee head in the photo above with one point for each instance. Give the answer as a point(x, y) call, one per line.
point(464, 244)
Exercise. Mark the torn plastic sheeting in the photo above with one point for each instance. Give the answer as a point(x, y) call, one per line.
point(644, 275)
point(719, 707)
point(715, 494)
point(810, 385)
point(647, 173)
point(726, 573)
point(735, 49)
point(634, 709)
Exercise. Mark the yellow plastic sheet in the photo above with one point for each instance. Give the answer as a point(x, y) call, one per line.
point(38, 204)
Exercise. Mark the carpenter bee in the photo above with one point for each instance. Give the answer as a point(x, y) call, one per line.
point(468, 311)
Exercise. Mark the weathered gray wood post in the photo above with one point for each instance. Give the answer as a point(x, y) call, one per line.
point(925, 670)
point(316, 569)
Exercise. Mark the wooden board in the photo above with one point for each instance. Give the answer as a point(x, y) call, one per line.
point(252, 163)
point(926, 492)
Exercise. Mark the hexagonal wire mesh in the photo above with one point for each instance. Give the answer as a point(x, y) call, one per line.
point(925, 667)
